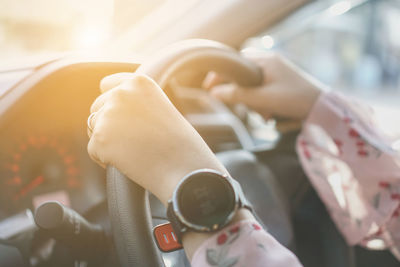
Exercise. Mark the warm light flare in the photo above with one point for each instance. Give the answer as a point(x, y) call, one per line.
point(91, 37)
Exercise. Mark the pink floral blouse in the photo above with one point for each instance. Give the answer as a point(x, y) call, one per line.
point(355, 169)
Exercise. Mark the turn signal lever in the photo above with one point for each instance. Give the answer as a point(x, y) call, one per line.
point(86, 241)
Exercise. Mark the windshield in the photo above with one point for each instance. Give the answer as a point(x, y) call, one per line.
point(45, 28)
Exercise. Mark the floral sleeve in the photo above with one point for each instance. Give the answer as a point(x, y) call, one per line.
point(245, 243)
point(355, 168)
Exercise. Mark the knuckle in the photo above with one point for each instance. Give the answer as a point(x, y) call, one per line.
point(113, 80)
point(141, 79)
point(96, 104)
point(94, 154)
point(92, 148)
point(100, 138)
point(100, 101)
point(119, 95)
point(101, 132)
point(104, 82)
point(97, 144)
point(142, 84)
point(93, 107)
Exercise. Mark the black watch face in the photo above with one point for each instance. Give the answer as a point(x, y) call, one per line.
point(206, 199)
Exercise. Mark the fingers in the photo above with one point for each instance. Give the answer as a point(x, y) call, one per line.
point(100, 101)
point(114, 80)
point(212, 79)
point(90, 123)
point(106, 84)
point(93, 152)
point(231, 93)
point(260, 99)
point(92, 145)
point(122, 92)
point(225, 92)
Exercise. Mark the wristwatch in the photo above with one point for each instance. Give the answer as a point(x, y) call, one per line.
point(205, 201)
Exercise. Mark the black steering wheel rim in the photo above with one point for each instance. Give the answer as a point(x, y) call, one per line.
point(128, 203)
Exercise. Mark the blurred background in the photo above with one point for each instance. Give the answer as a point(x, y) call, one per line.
point(353, 46)
point(50, 27)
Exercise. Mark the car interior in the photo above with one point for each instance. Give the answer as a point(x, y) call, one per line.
point(44, 108)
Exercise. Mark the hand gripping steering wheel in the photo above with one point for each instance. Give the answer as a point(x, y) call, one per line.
point(128, 203)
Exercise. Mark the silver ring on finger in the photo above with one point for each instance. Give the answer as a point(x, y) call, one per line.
point(89, 124)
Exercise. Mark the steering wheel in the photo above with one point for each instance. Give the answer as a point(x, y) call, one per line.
point(128, 202)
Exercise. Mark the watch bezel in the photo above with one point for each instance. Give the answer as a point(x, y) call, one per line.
point(194, 226)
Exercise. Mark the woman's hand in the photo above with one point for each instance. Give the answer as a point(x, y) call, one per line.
point(138, 130)
point(287, 91)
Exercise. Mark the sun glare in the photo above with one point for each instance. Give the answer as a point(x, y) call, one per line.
point(91, 37)
point(268, 42)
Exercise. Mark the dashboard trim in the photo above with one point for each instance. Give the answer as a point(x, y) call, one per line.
point(16, 92)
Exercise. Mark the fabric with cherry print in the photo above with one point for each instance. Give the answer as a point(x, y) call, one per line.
point(355, 170)
point(244, 243)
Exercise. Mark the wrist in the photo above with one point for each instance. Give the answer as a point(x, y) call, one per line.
point(193, 240)
point(165, 188)
point(312, 100)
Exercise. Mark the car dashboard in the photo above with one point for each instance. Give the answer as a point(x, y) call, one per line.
point(43, 140)
point(43, 156)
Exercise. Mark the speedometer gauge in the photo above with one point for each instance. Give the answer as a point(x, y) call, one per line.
point(38, 165)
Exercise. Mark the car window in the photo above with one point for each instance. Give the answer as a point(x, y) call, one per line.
point(352, 46)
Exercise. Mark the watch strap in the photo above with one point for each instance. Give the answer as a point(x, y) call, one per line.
point(243, 201)
point(178, 227)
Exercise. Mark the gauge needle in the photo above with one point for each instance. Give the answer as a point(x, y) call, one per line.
point(29, 187)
